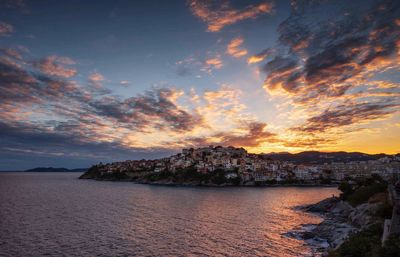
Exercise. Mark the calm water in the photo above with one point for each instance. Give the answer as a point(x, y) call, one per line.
point(52, 214)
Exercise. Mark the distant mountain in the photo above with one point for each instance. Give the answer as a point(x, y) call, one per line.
point(315, 157)
point(51, 169)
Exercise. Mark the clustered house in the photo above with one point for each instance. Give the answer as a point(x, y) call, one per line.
point(258, 168)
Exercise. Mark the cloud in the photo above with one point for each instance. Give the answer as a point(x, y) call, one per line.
point(191, 65)
point(235, 48)
point(56, 66)
point(15, 53)
point(22, 90)
point(187, 66)
point(329, 54)
point(252, 134)
point(5, 29)
point(260, 56)
point(310, 142)
point(346, 115)
point(255, 136)
point(13, 4)
point(124, 83)
point(218, 14)
point(211, 64)
point(76, 122)
point(332, 66)
point(95, 79)
point(153, 108)
point(25, 145)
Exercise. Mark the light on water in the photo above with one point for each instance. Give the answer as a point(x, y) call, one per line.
point(59, 215)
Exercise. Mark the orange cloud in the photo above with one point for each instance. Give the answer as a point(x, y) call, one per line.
point(252, 134)
point(56, 66)
point(348, 114)
point(235, 48)
point(217, 15)
point(95, 79)
point(255, 59)
point(211, 64)
point(261, 56)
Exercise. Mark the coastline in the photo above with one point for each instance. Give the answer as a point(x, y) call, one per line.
point(342, 225)
point(356, 216)
point(332, 231)
point(198, 184)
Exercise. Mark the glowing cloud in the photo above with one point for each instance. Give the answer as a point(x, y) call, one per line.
point(219, 14)
point(211, 64)
point(261, 56)
point(235, 48)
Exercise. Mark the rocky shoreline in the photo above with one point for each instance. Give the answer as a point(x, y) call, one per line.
point(340, 221)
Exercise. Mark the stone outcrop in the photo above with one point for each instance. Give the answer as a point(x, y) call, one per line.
point(340, 220)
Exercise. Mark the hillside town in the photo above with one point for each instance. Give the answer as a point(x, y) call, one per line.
point(253, 169)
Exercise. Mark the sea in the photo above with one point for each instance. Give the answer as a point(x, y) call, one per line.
point(57, 214)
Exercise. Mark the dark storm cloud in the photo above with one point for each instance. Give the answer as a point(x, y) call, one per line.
point(330, 42)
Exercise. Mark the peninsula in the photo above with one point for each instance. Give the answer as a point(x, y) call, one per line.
point(230, 166)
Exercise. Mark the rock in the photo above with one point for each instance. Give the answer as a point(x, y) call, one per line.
point(322, 206)
point(361, 216)
point(336, 226)
point(340, 211)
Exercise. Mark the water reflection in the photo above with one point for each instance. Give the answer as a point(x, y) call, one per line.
point(57, 214)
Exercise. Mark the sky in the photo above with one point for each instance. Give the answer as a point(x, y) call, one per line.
point(83, 82)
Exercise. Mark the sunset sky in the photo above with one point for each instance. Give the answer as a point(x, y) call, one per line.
point(89, 81)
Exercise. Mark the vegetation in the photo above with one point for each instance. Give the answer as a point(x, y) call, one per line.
point(159, 176)
point(384, 210)
point(361, 190)
point(191, 174)
point(367, 243)
point(391, 247)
